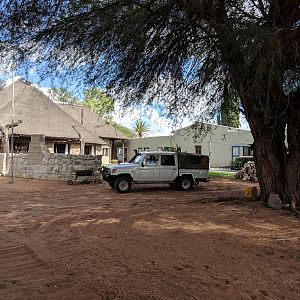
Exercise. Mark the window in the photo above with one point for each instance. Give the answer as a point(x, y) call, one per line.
point(60, 148)
point(87, 150)
point(137, 159)
point(167, 160)
point(247, 151)
point(195, 160)
point(140, 150)
point(151, 160)
point(120, 154)
point(105, 151)
point(159, 148)
point(20, 148)
point(146, 149)
point(235, 151)
point(198, 149)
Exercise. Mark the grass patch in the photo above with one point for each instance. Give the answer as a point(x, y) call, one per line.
point(221, 174)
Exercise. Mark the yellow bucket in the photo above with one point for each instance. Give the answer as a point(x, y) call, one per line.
point(250, 192)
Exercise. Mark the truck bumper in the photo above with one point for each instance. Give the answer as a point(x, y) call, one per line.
point(108, 178)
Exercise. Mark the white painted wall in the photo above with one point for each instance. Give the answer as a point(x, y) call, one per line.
point(217, 143)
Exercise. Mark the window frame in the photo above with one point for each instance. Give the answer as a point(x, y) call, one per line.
point(168, 165)
point(105, 150)
point(197, 147)
point(59, 145)
point(232, 151)
point(151, 164)
point(89, 148)
point(248, 149)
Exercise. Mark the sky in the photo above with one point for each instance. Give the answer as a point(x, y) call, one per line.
point(159, 125)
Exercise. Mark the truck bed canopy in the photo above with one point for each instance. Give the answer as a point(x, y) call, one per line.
point(193, 161)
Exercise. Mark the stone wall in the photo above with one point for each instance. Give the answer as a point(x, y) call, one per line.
point(40, 163)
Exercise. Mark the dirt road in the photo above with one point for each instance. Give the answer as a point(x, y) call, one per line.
point(88, 242)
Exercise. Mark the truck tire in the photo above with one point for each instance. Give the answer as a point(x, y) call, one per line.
point(122, 184)
point(185, 183)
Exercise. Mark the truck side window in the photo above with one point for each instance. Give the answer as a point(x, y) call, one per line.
point(195, 160)
point(167, 160)
point(151, 160)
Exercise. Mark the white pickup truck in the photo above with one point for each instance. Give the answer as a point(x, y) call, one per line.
point(183, 170)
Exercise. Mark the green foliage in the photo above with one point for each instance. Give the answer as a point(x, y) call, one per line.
point(127, 131)
point(63, 95)
point(95, 99)
point(141, 128)
point(230, 107)
point(98, 102)
point(220, 174)
point(238, 163)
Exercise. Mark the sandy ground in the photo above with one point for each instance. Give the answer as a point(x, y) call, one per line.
point(89, 242)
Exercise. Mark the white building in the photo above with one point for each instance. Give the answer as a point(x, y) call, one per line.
point(221, 143)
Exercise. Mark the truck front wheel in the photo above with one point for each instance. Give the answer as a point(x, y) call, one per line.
point(185, 183)
point(122, 184)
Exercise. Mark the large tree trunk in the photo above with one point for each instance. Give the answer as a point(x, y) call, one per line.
point(269, 155)
point(269, 149)
point(292, 169)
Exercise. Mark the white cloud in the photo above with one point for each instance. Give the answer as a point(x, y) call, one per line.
point(45, 90)
point(9, 80)
point(159, 125)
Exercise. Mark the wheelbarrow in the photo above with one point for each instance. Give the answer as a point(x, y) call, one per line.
point(86, 176)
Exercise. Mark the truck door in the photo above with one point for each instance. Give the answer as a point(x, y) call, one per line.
point(168, 167)
point(149, 170)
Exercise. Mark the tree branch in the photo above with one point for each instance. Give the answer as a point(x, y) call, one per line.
point(283, 13)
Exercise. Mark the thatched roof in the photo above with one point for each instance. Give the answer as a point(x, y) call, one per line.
point(92, 121)
point(40, 115)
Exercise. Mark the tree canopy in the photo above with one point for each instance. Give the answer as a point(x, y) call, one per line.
point(180, 51)
point(98, 102)
point(141, 128)
point(63, 95)
point(127, 131)
point(93, 98)
point(230, 108)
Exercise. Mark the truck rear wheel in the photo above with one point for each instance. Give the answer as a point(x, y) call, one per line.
point(122, 184)
point(185, 183)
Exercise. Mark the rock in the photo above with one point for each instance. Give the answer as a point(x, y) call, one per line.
point(246, 177)
point(248, 173)
point(274, 201)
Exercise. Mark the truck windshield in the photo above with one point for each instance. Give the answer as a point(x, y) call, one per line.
point(137, 159)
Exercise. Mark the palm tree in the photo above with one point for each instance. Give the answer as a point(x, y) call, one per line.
point(141, 128)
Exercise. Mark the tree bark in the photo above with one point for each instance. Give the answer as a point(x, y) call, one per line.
point(292, 168)
point(269, 150)
point(269, 155)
